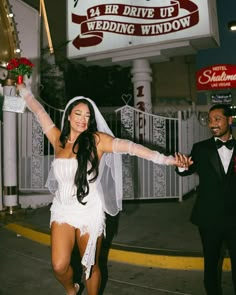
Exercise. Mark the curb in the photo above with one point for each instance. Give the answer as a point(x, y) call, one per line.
point(164, 261)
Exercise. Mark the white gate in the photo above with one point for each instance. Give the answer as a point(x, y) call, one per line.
point(141, 178)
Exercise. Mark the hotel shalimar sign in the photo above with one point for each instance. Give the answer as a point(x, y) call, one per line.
point(121, 29)
point(216, 77)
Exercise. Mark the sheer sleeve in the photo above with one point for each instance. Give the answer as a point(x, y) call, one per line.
point(124, 146)
point(35, 106)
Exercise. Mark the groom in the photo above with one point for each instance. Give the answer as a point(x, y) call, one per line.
point(214, 211)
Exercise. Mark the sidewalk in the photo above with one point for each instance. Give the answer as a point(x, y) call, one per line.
point(147, 233)
point(148, 240)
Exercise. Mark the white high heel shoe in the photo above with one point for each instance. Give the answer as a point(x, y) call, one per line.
point(77, 286)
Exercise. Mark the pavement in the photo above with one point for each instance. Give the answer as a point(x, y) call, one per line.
point(150, 248)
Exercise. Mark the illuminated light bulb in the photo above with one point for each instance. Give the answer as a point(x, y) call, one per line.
point(232, 25)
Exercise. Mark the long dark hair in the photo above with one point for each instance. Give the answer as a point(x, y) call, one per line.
point(85, 150)
point(226, 108)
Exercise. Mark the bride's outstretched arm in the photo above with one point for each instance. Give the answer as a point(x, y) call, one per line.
point(124, 146)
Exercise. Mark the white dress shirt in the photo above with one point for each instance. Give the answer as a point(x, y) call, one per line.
point(225, 155)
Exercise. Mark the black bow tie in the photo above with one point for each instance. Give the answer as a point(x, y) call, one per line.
point(229, 143)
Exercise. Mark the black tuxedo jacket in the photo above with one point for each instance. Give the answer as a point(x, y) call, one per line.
point(216, 199)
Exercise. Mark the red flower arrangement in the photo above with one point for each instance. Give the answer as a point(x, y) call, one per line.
point(20, 67)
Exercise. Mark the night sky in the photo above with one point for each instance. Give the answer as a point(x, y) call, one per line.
point(226, 53)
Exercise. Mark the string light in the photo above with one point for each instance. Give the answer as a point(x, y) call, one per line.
point(13, 37)
point(232, 25)
point(233, 111)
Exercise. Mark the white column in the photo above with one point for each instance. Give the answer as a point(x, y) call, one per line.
point(142, 79)
point(10, 195)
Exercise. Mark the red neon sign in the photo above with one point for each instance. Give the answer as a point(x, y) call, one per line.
point(216, 77)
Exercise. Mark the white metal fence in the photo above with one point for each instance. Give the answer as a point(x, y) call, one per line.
point(141, 178)
point(35, 152)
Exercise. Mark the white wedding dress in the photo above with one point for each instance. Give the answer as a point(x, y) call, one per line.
point(88, 218)
point(105, 193)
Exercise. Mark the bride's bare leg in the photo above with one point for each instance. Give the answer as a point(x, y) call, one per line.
point(62, 242)
point(94, 282)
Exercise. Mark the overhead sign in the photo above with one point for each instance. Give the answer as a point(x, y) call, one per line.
point(216, 77)
point(100, 26)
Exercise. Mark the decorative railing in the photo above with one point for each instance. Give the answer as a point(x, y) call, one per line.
point(142, 179)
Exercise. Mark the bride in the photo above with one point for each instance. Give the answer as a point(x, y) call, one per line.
point(88, 176)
